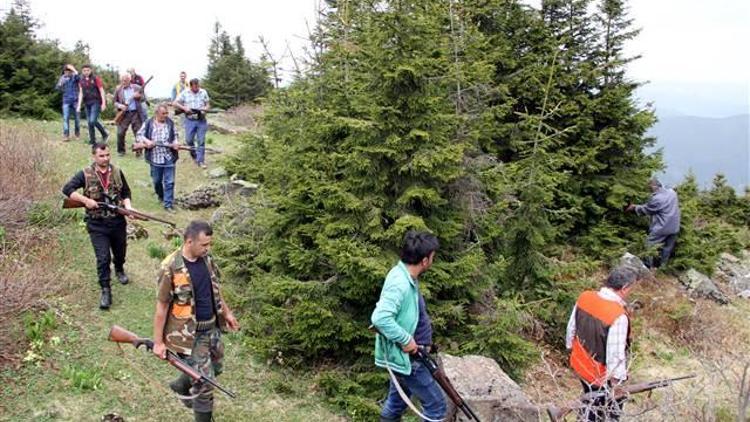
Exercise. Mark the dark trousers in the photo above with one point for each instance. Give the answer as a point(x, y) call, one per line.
point(92, 118)
point(132, 119)
point(667, 243)
point(109, 239)
point(602, 408)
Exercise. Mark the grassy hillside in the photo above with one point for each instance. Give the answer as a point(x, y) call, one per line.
point(74, 374)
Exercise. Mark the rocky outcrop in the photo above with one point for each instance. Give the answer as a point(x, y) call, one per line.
point(700, 285)
point(489, 391)
point(214, 194)
point(735, 272)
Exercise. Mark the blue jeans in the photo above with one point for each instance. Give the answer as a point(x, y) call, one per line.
point(163, 179)
point(197, 129)
point(92, 118)
point(67, 110)
point(421, 384)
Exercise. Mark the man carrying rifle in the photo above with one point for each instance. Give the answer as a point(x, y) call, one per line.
point(128, 101)
point(159, 137)
point(401, 318)
point(194, 102)
point(598, 338)
point(103, 182)
point(190, 315)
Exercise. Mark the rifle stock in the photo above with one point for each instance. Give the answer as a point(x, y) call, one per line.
point(121, 335)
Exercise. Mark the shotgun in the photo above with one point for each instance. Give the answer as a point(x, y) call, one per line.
point(121, 335)
point(557, 414)
point(72, 203)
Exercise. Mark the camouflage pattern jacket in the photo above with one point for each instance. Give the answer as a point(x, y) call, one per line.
point(176, 288)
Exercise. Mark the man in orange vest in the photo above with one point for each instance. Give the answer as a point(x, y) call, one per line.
point(598, 338)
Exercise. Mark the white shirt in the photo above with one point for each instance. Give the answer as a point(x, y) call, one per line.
point(617, 338)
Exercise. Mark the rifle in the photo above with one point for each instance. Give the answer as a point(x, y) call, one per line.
point(121, 113)
point(72, 203)
point(121, 335)
point(201, 113)
point(439, 376)
point(557, 414)
point(138, 146)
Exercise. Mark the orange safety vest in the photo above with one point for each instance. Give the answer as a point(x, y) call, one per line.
point(594, 316)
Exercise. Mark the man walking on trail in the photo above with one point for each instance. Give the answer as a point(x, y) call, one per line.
point(128, 98)
point(159, 137)
point(138, 80)
point(103, 182)
point(95, 101)
point(191, 314)
point(69, 85)
point(664, 210)
point(401, 319)
point(598, 338)
point(180, 86)
point(195, 102)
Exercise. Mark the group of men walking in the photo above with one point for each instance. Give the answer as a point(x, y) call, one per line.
point(191, 312)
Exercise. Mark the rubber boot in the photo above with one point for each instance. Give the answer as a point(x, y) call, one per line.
point(181, 386)
point(106, 300)
point(202, 416)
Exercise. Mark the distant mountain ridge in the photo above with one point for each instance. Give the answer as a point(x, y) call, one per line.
point(706, 145)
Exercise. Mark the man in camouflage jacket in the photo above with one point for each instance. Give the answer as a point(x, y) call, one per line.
point(191, 314)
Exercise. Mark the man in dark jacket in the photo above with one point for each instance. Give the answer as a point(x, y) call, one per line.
point(103, 182)
point(664, 210)
point(94, 100)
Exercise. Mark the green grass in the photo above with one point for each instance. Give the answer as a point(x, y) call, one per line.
point(77, 375)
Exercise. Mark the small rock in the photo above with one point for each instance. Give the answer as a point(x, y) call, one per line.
point(745, 294)
point(217, 172)
point(136, 231)
point(699, 285)
point(242, 187)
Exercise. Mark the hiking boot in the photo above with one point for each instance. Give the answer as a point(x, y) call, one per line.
point(122, 277)
point(181, 386)
point(202, 416)
point(106, 300)
point(66, 138)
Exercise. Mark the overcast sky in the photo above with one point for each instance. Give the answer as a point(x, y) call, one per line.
point(688, 46)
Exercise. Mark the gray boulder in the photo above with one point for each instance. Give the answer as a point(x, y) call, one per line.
point(735, 272)
point(635, 264)
point(700, 285)
point(490, 393)
point(242, 187)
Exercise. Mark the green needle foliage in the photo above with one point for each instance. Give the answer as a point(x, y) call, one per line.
point(511, 133)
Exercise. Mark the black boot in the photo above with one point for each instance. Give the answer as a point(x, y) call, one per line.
point(182, 386)
point(202, 416)
point(106, 300)
point(122, 277)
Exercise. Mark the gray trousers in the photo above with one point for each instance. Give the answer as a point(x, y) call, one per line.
point(667, 243)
